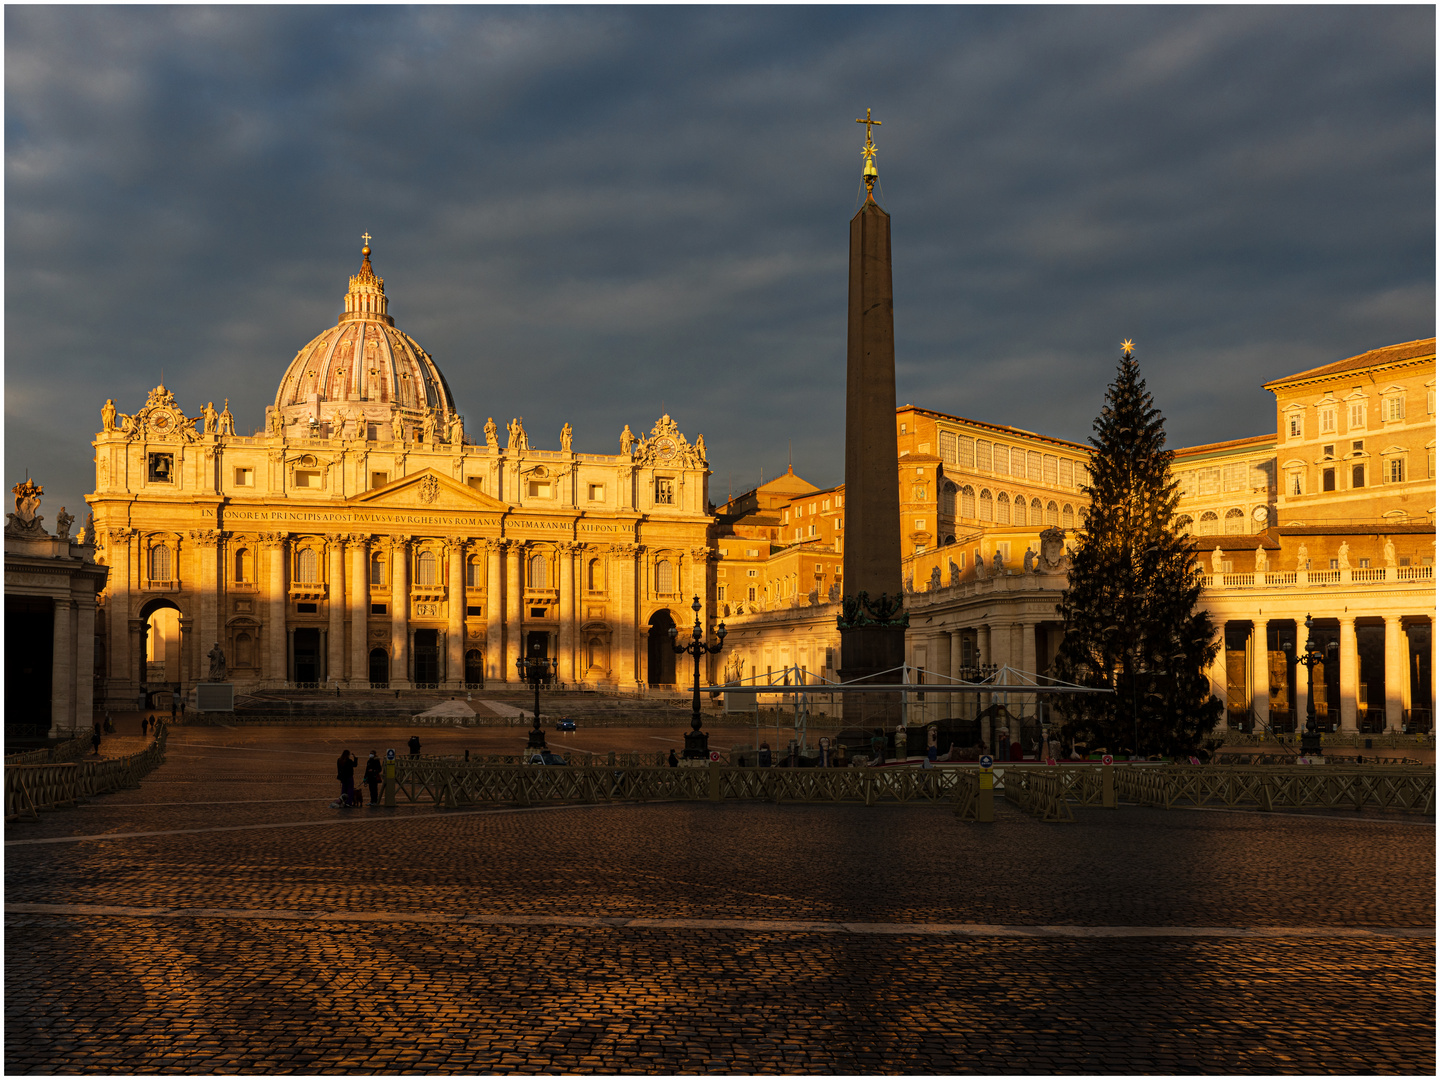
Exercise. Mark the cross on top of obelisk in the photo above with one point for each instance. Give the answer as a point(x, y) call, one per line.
point(868, 122)
point(868, 152)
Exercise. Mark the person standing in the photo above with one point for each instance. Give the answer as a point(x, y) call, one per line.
point(372, 777)
point(674, 761)
point(95, 738)
point(414, 745)
point(345, 773)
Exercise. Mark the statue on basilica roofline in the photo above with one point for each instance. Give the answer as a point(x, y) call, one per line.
point(397, 427)
point(25, 519)
point(1389, 552)
point(277, 423)
point(107, 415)
point(1029, 559)
point(700, 449)
point(1217, 561)
point(492, 439)
point(63, 521)
point(210, 417)
point(518, 439)
point(1262, 560)
point(627, 441)
point(565, 439)
point(428, 426)
point(455, 432)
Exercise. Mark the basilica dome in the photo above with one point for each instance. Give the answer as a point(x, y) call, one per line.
point(362, 370)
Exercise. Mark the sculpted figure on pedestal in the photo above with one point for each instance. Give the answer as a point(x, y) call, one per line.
point(1344, 554)
point(934, 578)
point(217, 663)
point(491, 438)
point(63, 521)
point(1389, 552)
point(1302, 558)
point(1262, 560)
point(209, 416)
point(954, 573)
point(1029, 559)
point(25, 520)
point(428, 427)
point(107, 415)
point(627, 441)
point(1217, 560)
point(565, 437)
point(397, 428)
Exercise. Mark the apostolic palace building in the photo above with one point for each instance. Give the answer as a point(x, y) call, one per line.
point(365, 538)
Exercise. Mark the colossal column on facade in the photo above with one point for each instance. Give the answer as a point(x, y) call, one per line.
point(494, 597)
point(626, 613)
point(566, 644)
point(1219, 682)
point(119, 588)
point(455, 609)
point(1348, 664)
point(276, 640)
point(359, 599)
point(207, 583)
point(335, 650)
point(400, 612)
point(514, 555)
point(1394, 673)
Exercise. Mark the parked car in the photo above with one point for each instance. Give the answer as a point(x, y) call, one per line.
point(565, 724)
point(545, 757)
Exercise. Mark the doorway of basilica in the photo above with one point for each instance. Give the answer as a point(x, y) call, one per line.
point(427, 657)
point(307, 655)
point(660, 666)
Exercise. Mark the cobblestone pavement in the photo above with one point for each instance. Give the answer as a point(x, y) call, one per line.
point(224, 919)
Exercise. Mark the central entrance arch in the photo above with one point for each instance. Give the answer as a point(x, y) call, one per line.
point(161, 643)
point(660, 668)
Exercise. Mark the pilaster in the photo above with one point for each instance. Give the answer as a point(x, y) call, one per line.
point(1394, 672)
point(276, 667)
point(335, 593)
point(513, 556)
point(455, 610)
point(1260, 673)
point(400, 612)
point(494, 598)
point(359, 599)
point(565, 646)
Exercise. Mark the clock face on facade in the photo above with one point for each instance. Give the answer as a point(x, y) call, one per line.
point(1261, 513)
point(162, 422)
point(665, 447)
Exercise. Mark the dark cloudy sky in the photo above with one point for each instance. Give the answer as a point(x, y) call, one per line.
point(596, 214)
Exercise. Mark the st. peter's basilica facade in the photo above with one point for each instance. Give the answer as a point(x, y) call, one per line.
point(363, 540)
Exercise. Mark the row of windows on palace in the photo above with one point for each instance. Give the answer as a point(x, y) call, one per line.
point(427, 570)
point(1002, 460)
point(1354, 409)
point(1393, 469)
point(1001, 510)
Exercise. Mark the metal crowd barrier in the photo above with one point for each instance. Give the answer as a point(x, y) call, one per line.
point(66, 751)
point(32, 788)
point(1354, 787)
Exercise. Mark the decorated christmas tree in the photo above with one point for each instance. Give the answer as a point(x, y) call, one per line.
point(1131, 620)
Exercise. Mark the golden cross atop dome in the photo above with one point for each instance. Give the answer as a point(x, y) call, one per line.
point(366, 238)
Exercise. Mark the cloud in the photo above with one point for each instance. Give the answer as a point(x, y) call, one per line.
point(595, 214)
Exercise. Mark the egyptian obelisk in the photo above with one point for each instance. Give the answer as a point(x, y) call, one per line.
point(872, 622)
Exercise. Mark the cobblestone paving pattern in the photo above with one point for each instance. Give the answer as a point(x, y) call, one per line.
point(107, 992)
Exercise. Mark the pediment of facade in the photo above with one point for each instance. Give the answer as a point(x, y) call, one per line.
point(427, 490)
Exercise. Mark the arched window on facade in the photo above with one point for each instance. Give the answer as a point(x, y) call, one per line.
point(1209, 523)
point(425, 569)
point(1037, 512)
point(1234, 520)
point(1019, 509)
point(1002, 509)
point(307, 566)
point(1183, 525)
point(1067, 516)
point(377, 569)
point(595, 575)
point(539, 572)
point(244, 565)
point(967, 502)
point(244, 651)
point(664, 576)
point(160, 563)
point(947, 499)
point(987, 506)
point(1052, 515)
point(474, 572)
point(595, 654)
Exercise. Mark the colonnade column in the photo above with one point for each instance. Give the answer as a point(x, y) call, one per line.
point(359, 599)
point(400, 612)
point(1027, 663)
point(188, 660)
point(1302, 693)
point(1394, 673)
point(62, 671)
point(1348, 664)
point(276, 645)
point(1260, 672)
point(566, 642)
point(513, 556)
point(1220, 683)
point(494, 594)
point(957, 663)
point(455, 607)
point(85, 661)
point(335, 649)
point(983, 655)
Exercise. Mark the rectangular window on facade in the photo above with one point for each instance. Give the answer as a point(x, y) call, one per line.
point(1357, 416)
point(1187, 484)
point(1358, 444)
point(982, 455)
point(751, 591)
point(1232, 476)
point(379, 479)
point(1208, 481)
point(474, 609)
point(1327, 420)
point(965, 452)
point(476, 483)
point(1067, 473)
point(307, 478)
point(919, 524)
point(947, 446)
point(540, 489)
point(1297, 483)
point(244, 477)
point(664, 491)
point(1001, 462)
point(1327, 480)
point(1395, 470)
point(812, 530)
point(1051, 469)
point(1262, 475)
point(378, 609)
point(597, 492)
point(1357, 476)
point(162, 469)
point(1296, 426)
point(1033, 465)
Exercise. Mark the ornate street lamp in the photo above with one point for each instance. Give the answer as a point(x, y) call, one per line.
point(538, 671)
point(697, 743)
point(1311, 658)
